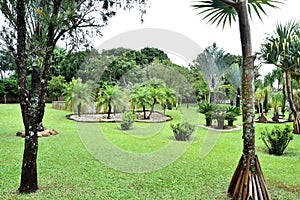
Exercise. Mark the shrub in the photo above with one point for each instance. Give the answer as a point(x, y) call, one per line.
point(277, 139)
point(127, 120)
point(231, 113)
point(183, 131)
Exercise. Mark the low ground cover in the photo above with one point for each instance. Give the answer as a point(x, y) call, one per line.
point(67, 170)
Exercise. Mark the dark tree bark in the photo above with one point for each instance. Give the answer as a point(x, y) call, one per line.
point(32, 103)
point(247, 181)
point(152, 108)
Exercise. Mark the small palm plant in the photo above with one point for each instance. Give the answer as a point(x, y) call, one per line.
point(206, 109)
point(231, 113)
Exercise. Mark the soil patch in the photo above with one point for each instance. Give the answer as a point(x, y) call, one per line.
point(156, 117)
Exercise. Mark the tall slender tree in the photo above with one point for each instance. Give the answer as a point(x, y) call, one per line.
point(247, 181)
point(30, 31)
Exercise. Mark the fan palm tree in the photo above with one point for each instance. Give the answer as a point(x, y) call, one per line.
point(248, 170)
point(78, 94)
point(212, 63)
point(282, 49)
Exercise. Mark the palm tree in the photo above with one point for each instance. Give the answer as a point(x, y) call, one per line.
point(170, 98)
point(110, 97)
point(141, 98)
point(248, 172)
point(158, 96)
point(277, 100)
point(78, 94)
point(212, 63)
point(282, 49)
point(259, 97)
point(234, 76)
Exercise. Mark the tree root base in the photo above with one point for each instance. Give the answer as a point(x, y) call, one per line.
point(248, 182)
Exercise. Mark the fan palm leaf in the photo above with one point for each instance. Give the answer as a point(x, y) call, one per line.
point(223, 11)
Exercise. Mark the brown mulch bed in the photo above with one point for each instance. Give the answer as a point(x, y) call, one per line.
point(156, 117)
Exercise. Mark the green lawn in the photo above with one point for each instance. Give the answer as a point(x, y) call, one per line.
point(69, 166)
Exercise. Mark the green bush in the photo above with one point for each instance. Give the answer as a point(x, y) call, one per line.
point(127, 120)
point(277, 139)
point(183, 131)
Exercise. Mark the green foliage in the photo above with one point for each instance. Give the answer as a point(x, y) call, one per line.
point(127, 120)
point(221, 12)
point(78, 94)
point(56, 86)
point(231, 113)
point(9, 86)
point(277, 139)
point(110, 97)
point(183, 131)
point(206, 109)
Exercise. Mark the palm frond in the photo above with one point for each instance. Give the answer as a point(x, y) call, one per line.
point(223, 11)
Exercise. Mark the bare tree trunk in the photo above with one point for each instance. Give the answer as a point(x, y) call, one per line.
point(296, 120)
point(238, 97)
point(247, 181)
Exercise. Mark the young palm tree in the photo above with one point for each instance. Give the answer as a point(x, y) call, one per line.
point(259, 97)
point(110, 97)
point(248, 172)
point(77, 95)
point(141, 98)
point(282, 49)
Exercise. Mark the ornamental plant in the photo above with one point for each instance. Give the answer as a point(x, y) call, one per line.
point(277, 139)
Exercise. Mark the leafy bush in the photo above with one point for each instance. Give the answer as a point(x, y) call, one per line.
point(206, 109)
point(127, 120)
point(183, 131)
point(277, 139)
point(231, 113)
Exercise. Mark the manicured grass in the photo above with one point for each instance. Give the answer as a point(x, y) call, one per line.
point(68, 169)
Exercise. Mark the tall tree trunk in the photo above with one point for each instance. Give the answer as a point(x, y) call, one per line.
point(288, 84)
point(33, 105)
point(247, 181)
point(79, 109)
point(29, 171)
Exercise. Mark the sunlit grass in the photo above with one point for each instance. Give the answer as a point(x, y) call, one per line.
point(67, 170)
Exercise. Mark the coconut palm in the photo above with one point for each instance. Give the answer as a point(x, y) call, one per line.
point(221, 12)
point(78, 94)
point(110, 97)
point(282, 49)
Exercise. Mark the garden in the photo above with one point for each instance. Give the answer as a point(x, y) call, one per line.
point(131, 123)
point(68, 171)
